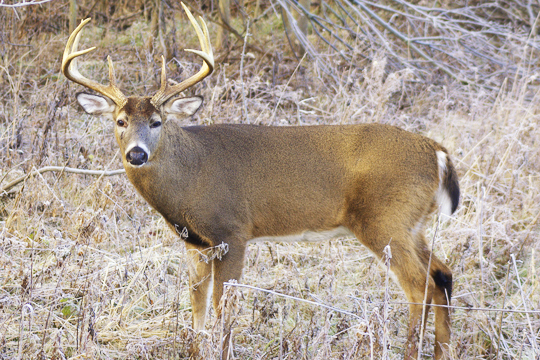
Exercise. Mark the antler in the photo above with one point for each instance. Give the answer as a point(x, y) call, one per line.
point(166, 92)
point(69, 68)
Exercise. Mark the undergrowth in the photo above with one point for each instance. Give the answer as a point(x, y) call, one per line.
point(89, 270)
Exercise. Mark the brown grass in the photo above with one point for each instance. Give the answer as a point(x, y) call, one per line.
point(89, 270)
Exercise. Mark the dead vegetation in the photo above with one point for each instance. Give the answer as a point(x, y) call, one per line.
point(88, 270)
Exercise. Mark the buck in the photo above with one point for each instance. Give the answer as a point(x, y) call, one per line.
point(233, 184)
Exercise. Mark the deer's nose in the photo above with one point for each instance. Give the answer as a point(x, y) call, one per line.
point(137, 156)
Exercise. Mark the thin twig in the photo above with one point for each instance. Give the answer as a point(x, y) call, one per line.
point(388, 257)
point(63, 169)
point(459, 307)
point(480, 234)
point(422, 327)
point(377, 303)
point(332, 308)
point(24, 3)
point(244, 103)
point(286, 30)
point(502, 314)
point(533, 333)
point(286, 85)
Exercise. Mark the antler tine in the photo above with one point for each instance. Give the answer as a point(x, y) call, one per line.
point(165, 91)
point(71, 71)
point(69, 60)
point(204, 40)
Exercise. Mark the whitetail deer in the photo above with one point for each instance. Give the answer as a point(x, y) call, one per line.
point(232, 184)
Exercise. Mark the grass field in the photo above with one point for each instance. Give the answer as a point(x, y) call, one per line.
point(89, 271)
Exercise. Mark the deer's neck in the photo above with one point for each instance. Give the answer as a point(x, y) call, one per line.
point(170, 173)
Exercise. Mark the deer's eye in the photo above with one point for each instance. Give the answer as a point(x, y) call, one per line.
point(155, 124)
point(121, 123)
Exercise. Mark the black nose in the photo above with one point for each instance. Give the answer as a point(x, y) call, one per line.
point(137, 156)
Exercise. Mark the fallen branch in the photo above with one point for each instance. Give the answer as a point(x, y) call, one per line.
point(62, 169)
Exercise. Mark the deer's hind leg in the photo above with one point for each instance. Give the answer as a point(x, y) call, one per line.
point(410, 270)
point(442, 293)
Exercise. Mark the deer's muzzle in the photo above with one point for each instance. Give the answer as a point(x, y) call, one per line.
point(137, 156)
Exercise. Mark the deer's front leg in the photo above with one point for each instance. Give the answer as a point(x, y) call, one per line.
point(228, 267)
point(200, 278)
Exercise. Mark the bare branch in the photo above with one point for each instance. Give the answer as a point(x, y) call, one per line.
point(468, 43)
point(24, 3)
point(62, 169)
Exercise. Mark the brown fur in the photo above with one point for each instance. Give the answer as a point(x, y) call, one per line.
point(232, 183)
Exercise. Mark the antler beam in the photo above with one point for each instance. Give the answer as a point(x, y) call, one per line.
point(70, 70)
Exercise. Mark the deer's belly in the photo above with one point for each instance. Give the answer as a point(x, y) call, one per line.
point(308, 236)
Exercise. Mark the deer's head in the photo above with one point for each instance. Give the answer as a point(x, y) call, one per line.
point(138, 120)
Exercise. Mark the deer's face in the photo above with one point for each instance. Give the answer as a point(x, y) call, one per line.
point(138, 124)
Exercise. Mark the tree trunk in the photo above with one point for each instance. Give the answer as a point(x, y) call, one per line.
point(301, 25)
point(301, 18)
point(72, 15)
point(225, 19)
point(154, 27)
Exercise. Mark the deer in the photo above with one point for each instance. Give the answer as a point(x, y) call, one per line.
point(232, 184)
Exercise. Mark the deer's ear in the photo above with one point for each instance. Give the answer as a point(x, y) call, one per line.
point(96, 104)
point(183, 107)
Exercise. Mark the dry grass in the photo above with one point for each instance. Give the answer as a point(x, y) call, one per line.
point(88, 270)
